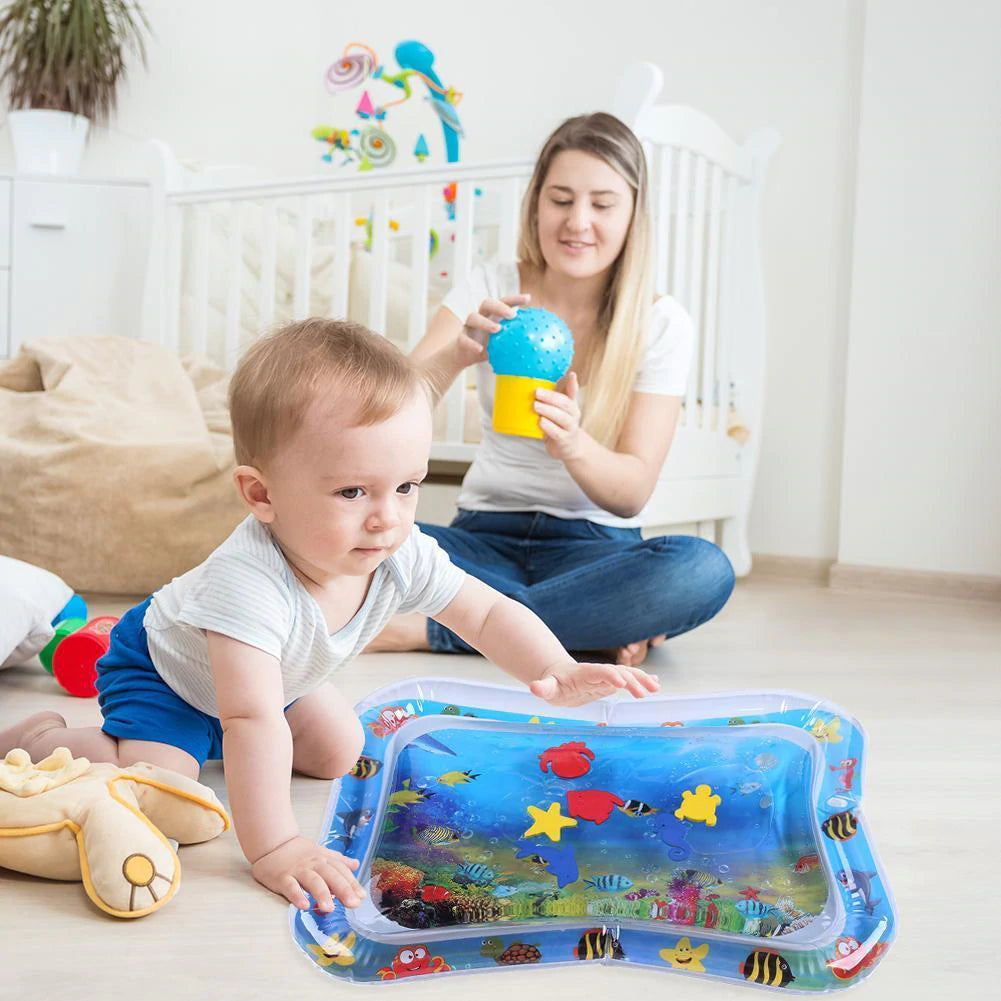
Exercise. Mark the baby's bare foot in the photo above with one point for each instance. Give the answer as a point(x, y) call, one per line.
point(28, 731)
point(402, 632)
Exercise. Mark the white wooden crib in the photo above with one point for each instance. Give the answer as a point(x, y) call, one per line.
point(232, 255)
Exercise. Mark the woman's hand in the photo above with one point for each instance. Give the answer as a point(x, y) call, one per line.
point(559, 416)
point(470, 347)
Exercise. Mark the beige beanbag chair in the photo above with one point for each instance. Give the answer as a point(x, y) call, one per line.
point(65, 818)
point(116, 459)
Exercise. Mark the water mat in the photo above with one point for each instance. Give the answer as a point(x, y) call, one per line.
point(718, 836)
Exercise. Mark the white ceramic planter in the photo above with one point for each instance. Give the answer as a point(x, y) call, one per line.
point(47, 142)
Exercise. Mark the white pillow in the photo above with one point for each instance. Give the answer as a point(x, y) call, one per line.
point(30, 598)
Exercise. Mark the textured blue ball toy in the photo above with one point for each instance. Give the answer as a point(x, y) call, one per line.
point(532, 350)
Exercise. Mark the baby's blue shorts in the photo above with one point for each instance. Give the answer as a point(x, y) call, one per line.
point(139, 705)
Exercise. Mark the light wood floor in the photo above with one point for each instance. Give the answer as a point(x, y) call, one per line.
point(923, 676)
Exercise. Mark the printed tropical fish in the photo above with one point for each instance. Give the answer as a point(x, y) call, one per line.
point(504, 891)
point(432, 893)
point(612, 883)
point(435, 835)
point(746, 788)
point(406, 796)
point(765, 761)
point(637, 808)
point(455, 778)
point(765, 967)
point(365, 767)
point(697, 877)
point(806, 863)
point(754, 909)
point(840, 826)
point(597, 943)
point(474, 873)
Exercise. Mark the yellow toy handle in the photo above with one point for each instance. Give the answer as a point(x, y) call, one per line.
point(514, 405)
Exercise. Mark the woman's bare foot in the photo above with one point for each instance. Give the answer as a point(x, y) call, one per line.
point(26, 732)
point(633, 654)
point(402, 632)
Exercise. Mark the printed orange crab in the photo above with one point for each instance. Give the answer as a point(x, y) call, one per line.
point(412, 961)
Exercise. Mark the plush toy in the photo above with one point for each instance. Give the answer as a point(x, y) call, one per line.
point(65, 818)
point(32, 601)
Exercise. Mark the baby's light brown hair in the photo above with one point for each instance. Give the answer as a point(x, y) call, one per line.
point(281, 375)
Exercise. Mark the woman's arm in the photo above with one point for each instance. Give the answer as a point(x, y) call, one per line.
point(450, 345)
point(619, 480)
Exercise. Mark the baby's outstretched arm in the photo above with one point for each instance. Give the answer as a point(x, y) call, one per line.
point(257, 757)
point(519, 642)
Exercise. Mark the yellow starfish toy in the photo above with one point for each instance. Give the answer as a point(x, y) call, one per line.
point(548, 822)
point(684, 957)
point(699, 805)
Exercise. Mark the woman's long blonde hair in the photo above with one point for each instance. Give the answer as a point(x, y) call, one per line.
point(625, 314)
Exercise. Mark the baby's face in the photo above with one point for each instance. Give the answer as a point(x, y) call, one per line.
point(344, 497)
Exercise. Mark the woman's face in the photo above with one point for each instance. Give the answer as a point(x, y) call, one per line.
point(585, 208)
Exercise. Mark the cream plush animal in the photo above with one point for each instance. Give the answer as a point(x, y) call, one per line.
point(65, 818)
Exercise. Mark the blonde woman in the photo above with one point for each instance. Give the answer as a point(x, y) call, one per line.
point(554, 523)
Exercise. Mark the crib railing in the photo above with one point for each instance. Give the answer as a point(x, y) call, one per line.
point(399, 210)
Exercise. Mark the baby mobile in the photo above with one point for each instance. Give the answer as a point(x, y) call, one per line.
point(370, 145)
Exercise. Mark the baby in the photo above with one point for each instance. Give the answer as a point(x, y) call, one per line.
point(332, 431)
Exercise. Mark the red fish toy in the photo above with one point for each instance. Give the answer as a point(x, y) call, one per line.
point(595, 805)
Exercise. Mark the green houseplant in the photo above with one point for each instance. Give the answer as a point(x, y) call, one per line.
point(61, 63)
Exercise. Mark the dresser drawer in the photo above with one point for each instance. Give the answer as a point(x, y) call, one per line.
point(79, 259)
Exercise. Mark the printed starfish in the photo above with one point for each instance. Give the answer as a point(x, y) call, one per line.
point(548, 822)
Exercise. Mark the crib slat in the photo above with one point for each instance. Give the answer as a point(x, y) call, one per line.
point(507, 235)
point(379, 271)
point(175, 231)
point(455, 398)
point(419, 266)
point(678, 274)
point(695, 281)
point(710, 389)
point(234, 279)
point(662, 221)
point(201, 318)
point(725, 297)
point(303, 259)
point(269, 261)
point(342, 255)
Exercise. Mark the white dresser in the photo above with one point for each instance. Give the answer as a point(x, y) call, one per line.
point(73, 255)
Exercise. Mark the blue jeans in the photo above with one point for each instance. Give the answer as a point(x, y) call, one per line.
point(597, 588)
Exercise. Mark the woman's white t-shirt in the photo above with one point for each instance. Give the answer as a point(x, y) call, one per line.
point(512, 473)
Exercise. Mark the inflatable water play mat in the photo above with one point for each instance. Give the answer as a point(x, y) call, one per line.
point(718, 836)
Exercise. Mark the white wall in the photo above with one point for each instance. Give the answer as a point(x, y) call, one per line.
point(922, 453)
point(241, 80)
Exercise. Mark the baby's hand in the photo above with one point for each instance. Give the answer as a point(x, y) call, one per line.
point(301, 865)
point(572, 684)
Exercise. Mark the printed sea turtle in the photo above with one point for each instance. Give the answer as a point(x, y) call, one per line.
point(515, 954)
